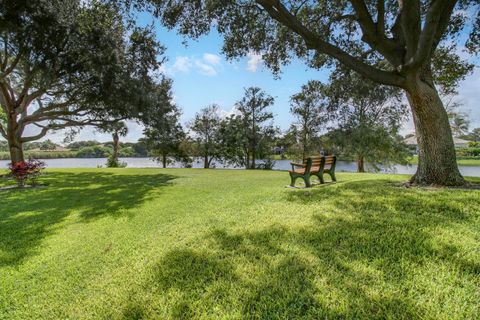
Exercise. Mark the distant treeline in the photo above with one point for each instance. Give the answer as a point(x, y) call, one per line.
point(80, 149)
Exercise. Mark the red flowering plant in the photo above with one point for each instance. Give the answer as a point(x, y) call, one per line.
point(26, 170)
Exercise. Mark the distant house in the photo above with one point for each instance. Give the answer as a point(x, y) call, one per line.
point(459, 143)
point(278, 150)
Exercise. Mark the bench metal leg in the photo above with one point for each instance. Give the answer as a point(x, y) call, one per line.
point(332, 174)
point(292, 180)
point(306, 178)
point(320, 177)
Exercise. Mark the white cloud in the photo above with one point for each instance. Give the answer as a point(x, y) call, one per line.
point(182, 64)
point(469, 95)
point(212, 59)
point(254, 61)
point(208, 65)
point(224, 113)
point(205, 69)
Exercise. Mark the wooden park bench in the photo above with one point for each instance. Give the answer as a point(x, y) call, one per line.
point(313, 166)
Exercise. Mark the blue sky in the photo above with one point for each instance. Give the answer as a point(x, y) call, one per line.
point(202, 76)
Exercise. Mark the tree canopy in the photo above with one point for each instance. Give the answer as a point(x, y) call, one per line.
point(356, 33)
point(247, 134)
point(71, 63)
point(163, 132)
point(310, 112)
point(205, 127)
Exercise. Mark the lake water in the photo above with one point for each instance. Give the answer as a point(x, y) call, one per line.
point(471, 171)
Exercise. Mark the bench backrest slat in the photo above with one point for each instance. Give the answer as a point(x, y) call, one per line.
point(331, 160)
point(319, 162)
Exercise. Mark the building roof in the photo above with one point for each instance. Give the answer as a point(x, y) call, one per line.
point(412, 141)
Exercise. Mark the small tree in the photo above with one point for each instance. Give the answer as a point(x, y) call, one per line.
point(459, 121)
point(287, 142)
point(310, 113)
point(233, 142)
point(369, 117)
point(165, 139)
point(117, 130)
point(476, 134)
point(163, 132)
point(253, 116)
point(206, 126)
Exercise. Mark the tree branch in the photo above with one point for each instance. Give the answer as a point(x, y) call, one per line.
point(67, 122)
point(27, 100)
point(281, 14)
point(373, 33)
point(58, 126)
point(381, 17)
point(5, 98)
point(42, 134)
point(437, 18)
point(6, 71)
point(410, 24)
point(48, 113)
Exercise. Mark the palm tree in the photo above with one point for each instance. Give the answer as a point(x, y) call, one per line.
point(117, 129)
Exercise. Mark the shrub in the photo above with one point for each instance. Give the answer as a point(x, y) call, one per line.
point(114, 163)
point(268, 164)
point(126, 152)
point(26, 170)
point(468, 152)
point(94, 152)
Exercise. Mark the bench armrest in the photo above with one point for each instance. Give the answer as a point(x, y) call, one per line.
point(293, 164)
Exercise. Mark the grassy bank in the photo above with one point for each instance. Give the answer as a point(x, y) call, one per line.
point(414, 160)
point(42, 154)
point(210, 244)
point(461, 162)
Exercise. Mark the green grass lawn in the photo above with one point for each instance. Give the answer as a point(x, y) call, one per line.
point(231, 244)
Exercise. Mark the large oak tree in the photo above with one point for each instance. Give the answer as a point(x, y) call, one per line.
point(70, 63)
point(415, 39)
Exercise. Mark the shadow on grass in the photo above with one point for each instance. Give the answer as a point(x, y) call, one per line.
point(190, 273)
point(28, 216)
point(361, 265)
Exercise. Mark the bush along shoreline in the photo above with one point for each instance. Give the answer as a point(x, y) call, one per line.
point(81, 149)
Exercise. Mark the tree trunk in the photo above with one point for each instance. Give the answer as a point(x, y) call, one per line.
point(15, 144)
point(206, 163)
point(253, 166)
point(164, 160)
point(437, 163)
point(360, 164)
point(16, 151)
point(304, 142)
point(116, 140)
